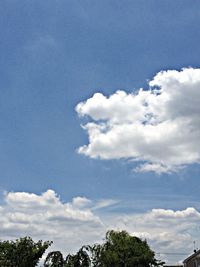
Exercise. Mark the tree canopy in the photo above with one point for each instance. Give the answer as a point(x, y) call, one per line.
point(119, 249)
point(80, 259)
point(23, 252)
point(122, 250)
point(54, 259)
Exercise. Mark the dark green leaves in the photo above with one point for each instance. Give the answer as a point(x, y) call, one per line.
point(23, 252)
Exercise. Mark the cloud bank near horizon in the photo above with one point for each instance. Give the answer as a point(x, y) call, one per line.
point(159, 128)
point(79, 222)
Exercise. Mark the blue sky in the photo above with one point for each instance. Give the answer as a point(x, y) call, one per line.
point(57, 54)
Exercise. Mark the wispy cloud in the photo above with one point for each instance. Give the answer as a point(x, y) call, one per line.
point(104, 203)
point(159, 126)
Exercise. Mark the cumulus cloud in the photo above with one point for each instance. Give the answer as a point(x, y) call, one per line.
point(46, 216)
point(158, 127)
point(78, 222)
point(170, 233)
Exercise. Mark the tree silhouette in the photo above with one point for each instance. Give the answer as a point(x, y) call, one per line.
point(122, 250)
point(80, 259)
point(54, 259)
point(22, 253)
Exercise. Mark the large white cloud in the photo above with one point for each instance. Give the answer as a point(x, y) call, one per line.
point(158, 127)
point(73, 224)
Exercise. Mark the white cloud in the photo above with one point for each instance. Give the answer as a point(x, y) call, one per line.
point(157, 168)
point(45, 216)
point(73, 224)
point(81, 202)
point(169, 232)
point(159, 127)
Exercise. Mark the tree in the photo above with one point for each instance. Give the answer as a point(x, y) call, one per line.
point(80, 259)
point(22, 253)
point(54, 259)
point(119, 250)
point(122, 250)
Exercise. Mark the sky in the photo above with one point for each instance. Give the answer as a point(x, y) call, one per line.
point(99, 122)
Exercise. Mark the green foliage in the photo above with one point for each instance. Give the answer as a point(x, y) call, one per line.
point(122, 250)
point(80, 259)
point(54, 259)
point(118, 250)
point(23, 252)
